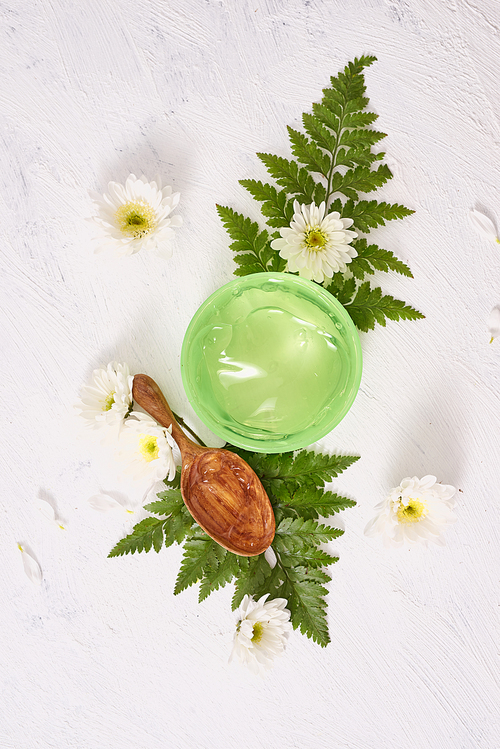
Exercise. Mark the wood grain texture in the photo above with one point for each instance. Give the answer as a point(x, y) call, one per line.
point(219, 488)
point(102, 654)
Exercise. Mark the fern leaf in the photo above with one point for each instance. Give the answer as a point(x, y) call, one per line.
point(146, 534)
point(369, 214)
point(313, 502)
point(247, 240)
point(371, 258)
point(219, 573)
point(276, 207)
point(369, 307)
point(306, 601)
point(319, 133)
point(295, 534)
point(296, 181)
point(199, 552)
point(308, 557)
point(253, 573)
point(309, 154)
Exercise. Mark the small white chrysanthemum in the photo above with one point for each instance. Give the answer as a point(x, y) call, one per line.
point(416, 510)
point(146, 448)
point(108, 399)
point(261, 633)
point(315, 245)
point(136, 216)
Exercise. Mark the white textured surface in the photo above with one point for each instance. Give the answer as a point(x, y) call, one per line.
point(102, 654)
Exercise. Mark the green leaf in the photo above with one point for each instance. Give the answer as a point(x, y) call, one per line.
point(252, 578)
point(179, 521)
point(146, 534)
point(342, 288)
point(325, 116)
point(296, 534)
point(283, 474)
point(306, 601)
point(296, 181)
point(247, 240)
point(371, 258)
point(359, 119)
point(320, 134)
point(360, 138)
point(218, 573)
point(199, 552)
point(275, 205)
point(175, 483)
point(313, 502)
point(360, 179)
point(309, 467)
point(309, 557)
point(369, 214)
point(309, 154)
point(369, 307)
point(169, 501)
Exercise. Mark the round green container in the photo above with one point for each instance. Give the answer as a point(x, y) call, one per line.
point(271, 362)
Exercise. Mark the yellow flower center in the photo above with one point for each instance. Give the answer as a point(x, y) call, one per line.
point(148, 447)
point(315, 239)
point(109, 402)
point(136, 219)
point(412, 512)
point(258, 631)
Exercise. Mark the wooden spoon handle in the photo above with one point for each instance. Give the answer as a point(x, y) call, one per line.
point(148, 395)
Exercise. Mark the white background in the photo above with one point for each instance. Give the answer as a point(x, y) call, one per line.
point(102, 654)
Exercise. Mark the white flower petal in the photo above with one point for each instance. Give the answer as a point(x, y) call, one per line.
point(103, 503)
point(484, 225)
point(48, 511)
point(31, 566)
point(494, 323)
point(270, 557)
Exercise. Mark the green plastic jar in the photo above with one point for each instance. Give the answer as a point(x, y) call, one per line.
point(271, 362)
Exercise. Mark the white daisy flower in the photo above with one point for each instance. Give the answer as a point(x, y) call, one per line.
point(136, 216)
point(315, 245)
point(415, 511)
point(146, 448)
point(108, 399)
point(261, 633)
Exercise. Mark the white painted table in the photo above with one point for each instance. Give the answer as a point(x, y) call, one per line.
point(102, 654)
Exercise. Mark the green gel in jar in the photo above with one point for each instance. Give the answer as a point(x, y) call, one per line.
point(271, 362)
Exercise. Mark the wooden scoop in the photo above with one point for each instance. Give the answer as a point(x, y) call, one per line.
point(220, 490)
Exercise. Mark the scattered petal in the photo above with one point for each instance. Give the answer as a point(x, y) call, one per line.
point(31, 566)
point(270, 557)
point(484, 225)
point(48, 511)
point(494, 323)
point(415, 511)
point(105, 503)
